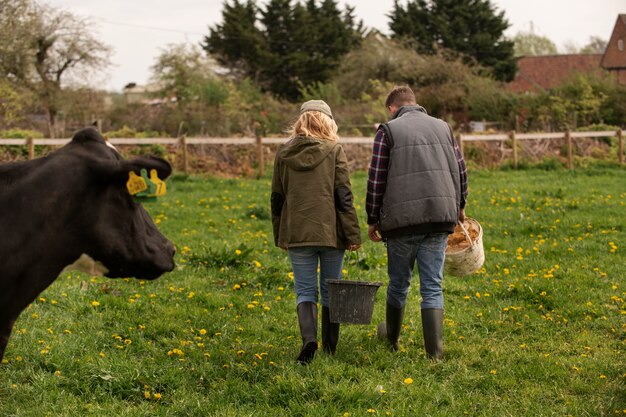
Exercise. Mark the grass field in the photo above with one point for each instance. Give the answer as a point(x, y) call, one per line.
point(539, 331)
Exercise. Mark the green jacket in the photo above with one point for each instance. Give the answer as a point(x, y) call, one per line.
point(312, 203)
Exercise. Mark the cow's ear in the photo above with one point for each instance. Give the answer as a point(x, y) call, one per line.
point(163, 168)
point(118, 170)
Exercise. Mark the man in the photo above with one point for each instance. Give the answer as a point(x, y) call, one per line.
point(416, 193)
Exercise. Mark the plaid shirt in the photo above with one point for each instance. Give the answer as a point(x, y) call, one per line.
point(377, 178)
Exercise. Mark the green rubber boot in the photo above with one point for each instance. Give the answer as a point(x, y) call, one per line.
point(330, 332)
point(390, 328)
point(307, 319)
point(432, 326)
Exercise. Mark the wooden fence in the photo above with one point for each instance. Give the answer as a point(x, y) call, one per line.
point(184, 142)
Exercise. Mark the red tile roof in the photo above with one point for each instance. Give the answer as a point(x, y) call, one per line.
point(536, 73)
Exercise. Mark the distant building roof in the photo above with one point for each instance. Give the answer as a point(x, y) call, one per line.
point(615, 55)
point(536, 73)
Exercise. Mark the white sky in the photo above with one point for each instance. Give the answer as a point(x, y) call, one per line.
point(137, 30)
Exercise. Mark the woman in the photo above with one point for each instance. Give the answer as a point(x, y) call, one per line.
point(313, 217)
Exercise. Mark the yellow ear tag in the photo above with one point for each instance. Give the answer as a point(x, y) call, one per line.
point(161, 188)
point(135, 183)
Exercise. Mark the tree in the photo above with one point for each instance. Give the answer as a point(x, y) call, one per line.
point(284, 46)
point(237, 43)
point(531, 44)
point(13, 102)
point(42, 47)
point(472, 28)
point(377, 58)
point(185, 73)
point(596, 45)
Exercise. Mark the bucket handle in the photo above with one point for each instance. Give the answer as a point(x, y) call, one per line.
point(348, 256)
point(465, 232)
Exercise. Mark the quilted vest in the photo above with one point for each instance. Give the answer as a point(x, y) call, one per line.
point(423, 177)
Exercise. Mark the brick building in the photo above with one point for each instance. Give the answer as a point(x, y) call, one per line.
point(614, 58)
point(543, 72)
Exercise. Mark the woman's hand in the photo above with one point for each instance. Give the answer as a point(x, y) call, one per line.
point(354, 246)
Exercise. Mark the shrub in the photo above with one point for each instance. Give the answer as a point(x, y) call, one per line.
point(20, 134)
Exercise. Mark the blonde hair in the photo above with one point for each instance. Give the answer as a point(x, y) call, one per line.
point(314, 124)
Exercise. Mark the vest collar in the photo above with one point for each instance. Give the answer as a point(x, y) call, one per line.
point(406, 109)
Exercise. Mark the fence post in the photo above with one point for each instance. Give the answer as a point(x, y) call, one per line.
point(183, 142)
point(260, 156)
point(620, 146)
point(514, 145)
point(31, 148)
point(568, 137)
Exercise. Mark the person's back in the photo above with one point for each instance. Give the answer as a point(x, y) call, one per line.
point(314, 218)
point(306, 167)
point(422, 188)
point(416, 190)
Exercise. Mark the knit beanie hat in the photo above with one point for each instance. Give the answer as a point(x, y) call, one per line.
point(316, 105)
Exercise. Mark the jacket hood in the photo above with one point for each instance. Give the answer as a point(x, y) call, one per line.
point(305, 153)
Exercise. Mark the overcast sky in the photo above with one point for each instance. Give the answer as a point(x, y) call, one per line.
point(137, 30)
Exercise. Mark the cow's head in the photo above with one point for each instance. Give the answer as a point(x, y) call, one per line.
point(117, 232)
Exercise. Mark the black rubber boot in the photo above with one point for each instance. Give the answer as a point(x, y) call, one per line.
point(307, 319)
point(390, 328)
point(432, 326)
point(330, 332)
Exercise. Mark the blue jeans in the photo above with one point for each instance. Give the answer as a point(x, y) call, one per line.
point(429, 251)
point(304, 262)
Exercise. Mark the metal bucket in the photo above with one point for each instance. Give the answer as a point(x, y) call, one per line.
point(351, 301)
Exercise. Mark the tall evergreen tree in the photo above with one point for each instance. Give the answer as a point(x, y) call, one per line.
point(285, 45)
point(472, 28)
point(237, 43)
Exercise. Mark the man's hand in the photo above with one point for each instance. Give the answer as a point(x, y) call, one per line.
point(374, 233)
point(354, 246)
point(461, 215)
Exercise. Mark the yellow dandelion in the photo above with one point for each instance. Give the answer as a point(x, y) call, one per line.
point(95, 303)
point(408, 381)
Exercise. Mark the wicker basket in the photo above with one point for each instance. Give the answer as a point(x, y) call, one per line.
point(468, 258)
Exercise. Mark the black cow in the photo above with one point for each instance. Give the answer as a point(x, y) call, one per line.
point(73, 205)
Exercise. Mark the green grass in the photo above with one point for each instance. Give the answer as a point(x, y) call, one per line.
point(539, 331)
